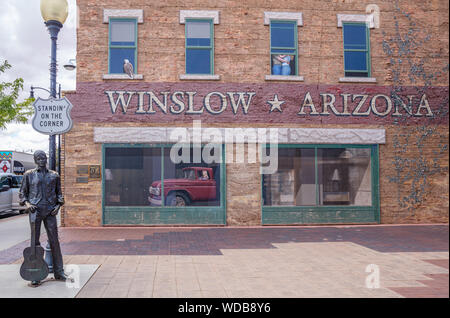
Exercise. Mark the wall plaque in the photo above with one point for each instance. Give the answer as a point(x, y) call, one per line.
point(95, 172)
point(82, 180)
point(83, 169)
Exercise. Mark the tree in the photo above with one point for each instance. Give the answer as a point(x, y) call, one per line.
point(10, 109)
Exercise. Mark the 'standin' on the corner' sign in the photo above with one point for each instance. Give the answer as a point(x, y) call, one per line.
point(52, 116)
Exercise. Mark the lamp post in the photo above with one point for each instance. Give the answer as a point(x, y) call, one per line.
point(54, 13)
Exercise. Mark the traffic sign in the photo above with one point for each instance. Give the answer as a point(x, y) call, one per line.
point(52, 116)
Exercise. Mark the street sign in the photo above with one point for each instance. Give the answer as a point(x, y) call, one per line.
point(52, 116)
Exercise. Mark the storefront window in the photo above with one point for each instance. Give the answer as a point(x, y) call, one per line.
point(294, 183)
point(148, 176)
point(128, 174)
point(344, 176)
point(319, 177)
point(192, 183)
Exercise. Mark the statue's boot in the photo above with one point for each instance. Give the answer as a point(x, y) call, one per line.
point(61, 276)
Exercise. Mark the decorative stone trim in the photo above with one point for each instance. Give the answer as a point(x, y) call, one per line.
point(368, 18)
point(122, 77)
point(285, 135)
point(337, 136)
point(284, 78)
point(357, 80)
point(199, 77)
point(199, 14)
point(116, 13)
point(269, 15)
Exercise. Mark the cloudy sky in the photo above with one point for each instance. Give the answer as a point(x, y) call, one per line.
point(25, 43)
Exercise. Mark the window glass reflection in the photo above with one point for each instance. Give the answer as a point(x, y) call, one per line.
point(343, 178)
point(128, 174)
point(191, 183)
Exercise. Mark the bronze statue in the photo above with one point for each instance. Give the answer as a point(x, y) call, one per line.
point(41, 193)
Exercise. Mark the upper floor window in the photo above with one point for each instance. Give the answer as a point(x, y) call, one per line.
point(283, 28)
point(356, 49)
point(283, 47)
point(356, 44)
point(122, 44)
point(199, 46)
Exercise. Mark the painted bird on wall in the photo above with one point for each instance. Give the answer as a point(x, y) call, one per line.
point(128, 68)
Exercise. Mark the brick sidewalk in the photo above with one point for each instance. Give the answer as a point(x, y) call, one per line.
point(328, 261)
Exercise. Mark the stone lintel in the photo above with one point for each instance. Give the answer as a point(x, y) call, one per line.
point(273, 134)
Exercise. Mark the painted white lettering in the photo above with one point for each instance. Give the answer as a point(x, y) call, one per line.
point(326, 104)
point(191, 109)
point(408, 107)
point(223, 103)
point(424, 104)
point(241, 100)
point(373, 105)
point(120, 100)
point(345, 112)
point(161, 105)
point(177, 102)
point(308, 102)
point(357, 112)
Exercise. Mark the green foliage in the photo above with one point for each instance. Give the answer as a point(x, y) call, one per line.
point(10, 109)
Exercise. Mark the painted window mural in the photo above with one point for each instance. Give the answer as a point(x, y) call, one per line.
point(148, 176)
point(199, 47)
point(283, 47)
point(320, 177)
point(356, 49)
point(122, 44)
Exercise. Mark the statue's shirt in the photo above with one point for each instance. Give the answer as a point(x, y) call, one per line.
point(41, 186)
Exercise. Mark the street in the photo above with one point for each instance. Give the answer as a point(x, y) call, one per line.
point(13, 230)
point(392, 261)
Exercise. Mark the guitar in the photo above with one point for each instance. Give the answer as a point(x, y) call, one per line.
point(33, 268)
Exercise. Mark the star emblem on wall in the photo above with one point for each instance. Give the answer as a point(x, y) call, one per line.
point(275, 104)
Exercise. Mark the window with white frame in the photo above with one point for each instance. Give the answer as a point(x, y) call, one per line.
point(199, 43)
point(122, 42)
point(356, 47)
point(283, 44)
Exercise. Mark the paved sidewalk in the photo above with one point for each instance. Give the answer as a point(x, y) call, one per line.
point(325, 261)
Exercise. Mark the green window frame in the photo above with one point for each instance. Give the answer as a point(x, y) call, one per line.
point(283, 49)
point(323, 214)
point(348, 50)
point(161, 215)
point(189, 47)
point(112, 46)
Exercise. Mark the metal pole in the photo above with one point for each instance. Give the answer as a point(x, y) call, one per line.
point(53, 28)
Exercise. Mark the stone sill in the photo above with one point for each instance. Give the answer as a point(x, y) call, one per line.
point(199, 77)
point(357, 80)
point(284, 78)
point(122, 77)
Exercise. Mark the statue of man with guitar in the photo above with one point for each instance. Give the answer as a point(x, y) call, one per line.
point(41, 193)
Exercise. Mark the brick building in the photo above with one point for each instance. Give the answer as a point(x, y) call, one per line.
point(339, 108)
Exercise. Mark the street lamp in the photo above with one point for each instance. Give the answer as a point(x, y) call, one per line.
point(70, 66)
point(44, 89)
point(54, 13)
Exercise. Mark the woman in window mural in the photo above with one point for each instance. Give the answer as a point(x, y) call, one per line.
point(281, 64)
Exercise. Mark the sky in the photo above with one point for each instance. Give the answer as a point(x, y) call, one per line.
point(25, 44)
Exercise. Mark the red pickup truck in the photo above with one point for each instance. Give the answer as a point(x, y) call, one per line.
point(196, 184)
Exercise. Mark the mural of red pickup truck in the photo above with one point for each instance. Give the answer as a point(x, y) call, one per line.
point(197, 184)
